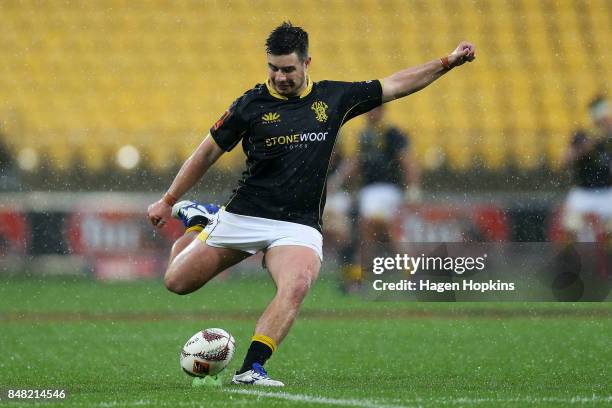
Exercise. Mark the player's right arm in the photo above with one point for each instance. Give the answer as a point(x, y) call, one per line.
point(224, 135)
point(205, 155)
point(414, 79)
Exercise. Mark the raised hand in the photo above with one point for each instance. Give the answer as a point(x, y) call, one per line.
point(465, 52)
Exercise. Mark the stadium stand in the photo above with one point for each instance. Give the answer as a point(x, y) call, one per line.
point(82, 79)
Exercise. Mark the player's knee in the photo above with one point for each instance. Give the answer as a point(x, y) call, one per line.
point(300, 286)
point(176, 285)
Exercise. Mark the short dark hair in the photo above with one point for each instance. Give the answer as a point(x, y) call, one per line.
point(286, 39)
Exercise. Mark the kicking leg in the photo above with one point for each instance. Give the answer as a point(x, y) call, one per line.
point(182, 243)
point(198, 263)
point(195, 217)
point(193, 263)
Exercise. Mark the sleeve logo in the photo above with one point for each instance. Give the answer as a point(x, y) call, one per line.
point(219, 123)
point(271, 117)
point(320, 109)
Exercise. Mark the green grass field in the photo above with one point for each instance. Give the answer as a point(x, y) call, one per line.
point(117, 345)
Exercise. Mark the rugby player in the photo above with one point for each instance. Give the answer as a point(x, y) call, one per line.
point(590, 160)
point(288, 127)
point(386, 167)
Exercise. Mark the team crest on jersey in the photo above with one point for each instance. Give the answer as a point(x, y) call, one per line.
point(271, 117)
point(320, 109)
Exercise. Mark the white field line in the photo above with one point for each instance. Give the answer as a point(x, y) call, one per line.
point(315, 399)
point(524, 400)
point(427, 401)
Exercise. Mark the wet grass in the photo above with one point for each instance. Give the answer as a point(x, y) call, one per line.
point(117, 345)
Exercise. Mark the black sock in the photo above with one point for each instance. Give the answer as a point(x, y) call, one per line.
point(198, 220)
point(258, 353)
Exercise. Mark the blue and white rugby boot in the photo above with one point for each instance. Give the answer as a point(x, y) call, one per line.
point(257, 375)
point(194, 214)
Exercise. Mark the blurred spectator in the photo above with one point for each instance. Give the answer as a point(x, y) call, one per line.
point(337, 219)
point(388, 175)
point(589, 159)
point(8, 175)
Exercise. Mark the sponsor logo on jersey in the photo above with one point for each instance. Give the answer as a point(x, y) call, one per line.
point(320, 110)
point(271, 117)
point(296, 138)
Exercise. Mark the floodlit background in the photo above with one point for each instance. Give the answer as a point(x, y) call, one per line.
point(138, 83)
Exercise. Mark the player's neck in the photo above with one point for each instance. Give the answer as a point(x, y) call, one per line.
point(303, 91)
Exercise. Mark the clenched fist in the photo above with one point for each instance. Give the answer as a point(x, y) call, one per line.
point(159, 212)
point(465, 52)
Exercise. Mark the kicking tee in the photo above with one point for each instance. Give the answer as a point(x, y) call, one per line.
point(288, 144)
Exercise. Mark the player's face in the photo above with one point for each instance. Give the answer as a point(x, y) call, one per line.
point(287, 73)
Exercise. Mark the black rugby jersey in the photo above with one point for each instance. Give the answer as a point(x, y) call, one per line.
point(288, 143)
point(380, 155)
point(594, 168)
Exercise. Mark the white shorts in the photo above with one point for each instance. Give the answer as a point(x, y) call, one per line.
point(336, 216)
point(254, 234)
point(582, 201)
point(380, 200)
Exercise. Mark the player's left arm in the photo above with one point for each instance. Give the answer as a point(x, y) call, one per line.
point(414, 79)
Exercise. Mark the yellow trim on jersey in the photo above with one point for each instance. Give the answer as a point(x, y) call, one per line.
point(203, 236)
point(196, 228)
point(275, 94)
point(308, 89)
point(262, 338)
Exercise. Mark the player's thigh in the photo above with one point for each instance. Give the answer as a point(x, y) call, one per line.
point(293, 268)
point(198, 263)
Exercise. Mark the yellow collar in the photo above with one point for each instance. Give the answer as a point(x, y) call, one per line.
point(279, 96)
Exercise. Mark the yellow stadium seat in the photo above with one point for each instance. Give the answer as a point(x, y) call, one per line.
point(120, 69)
